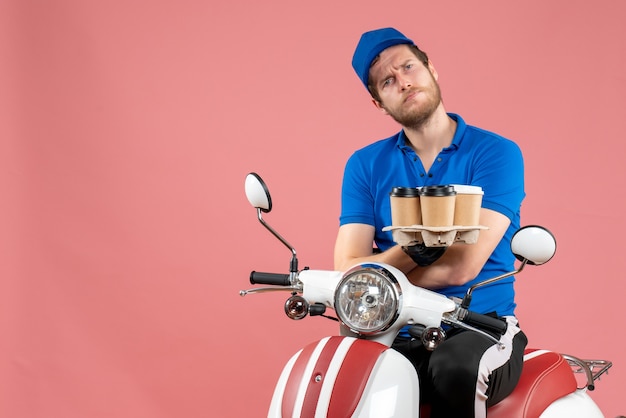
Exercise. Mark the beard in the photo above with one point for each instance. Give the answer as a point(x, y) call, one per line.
point(416, 116)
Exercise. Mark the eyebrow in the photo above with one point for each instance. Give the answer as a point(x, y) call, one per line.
point(386, 75)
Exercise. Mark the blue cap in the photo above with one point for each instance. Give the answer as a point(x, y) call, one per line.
point(370, 45)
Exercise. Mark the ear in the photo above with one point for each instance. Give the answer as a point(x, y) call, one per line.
point(379, 106)
point(433, 71)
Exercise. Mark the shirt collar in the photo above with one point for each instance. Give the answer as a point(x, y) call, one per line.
point(460, 130)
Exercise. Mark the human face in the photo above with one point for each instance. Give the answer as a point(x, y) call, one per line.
point(407, 88)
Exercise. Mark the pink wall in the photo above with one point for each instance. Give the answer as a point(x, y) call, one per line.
point(127, 129)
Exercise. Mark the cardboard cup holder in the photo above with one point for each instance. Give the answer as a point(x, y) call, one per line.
point(434, 236)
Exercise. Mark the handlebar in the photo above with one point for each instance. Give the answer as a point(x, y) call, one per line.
point(276, 279)
point(485, 322)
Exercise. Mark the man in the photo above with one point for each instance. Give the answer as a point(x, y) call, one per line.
point(467, 372)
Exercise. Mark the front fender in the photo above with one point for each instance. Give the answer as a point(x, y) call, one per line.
point(346, 377)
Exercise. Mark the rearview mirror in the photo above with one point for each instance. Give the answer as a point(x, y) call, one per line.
point(535, 244)
point(257, 193)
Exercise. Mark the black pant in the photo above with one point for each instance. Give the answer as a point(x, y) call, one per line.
point(467, 372)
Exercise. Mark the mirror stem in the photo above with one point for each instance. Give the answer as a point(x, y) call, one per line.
point(293, 266)
point(468, 296)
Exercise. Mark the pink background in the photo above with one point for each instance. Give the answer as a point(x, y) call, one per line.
point(127, 129)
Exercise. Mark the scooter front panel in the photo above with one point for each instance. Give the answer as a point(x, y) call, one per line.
point(334, 376)
point(392, 390)
point(325, 379)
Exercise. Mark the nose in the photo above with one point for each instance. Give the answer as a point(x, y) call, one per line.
point(404, 82)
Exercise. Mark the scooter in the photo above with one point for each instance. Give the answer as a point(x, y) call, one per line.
point(357, 374)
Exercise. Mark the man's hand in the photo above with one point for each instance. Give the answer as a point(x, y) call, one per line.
point(423, 255)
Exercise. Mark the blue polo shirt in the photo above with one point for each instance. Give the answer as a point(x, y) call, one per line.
point(475, 157)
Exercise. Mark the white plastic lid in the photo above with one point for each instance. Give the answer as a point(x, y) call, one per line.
point(467, 189)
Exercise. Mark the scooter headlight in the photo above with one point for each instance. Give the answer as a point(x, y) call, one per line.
point(368, 299)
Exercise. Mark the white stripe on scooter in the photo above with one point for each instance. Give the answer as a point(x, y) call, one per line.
point(533, 354)
point(306, 377)
point(331, 375)
point(328, 379)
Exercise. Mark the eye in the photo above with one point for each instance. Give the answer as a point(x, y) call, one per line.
point(387, 82)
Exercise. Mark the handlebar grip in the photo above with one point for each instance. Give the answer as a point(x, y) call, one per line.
point(277, 279)
point(486, 322)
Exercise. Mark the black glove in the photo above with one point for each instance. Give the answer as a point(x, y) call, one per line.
point(423, 255)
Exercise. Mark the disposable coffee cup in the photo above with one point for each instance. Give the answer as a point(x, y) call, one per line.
point(405, 206)
point(437, 205)
point(468, 203)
